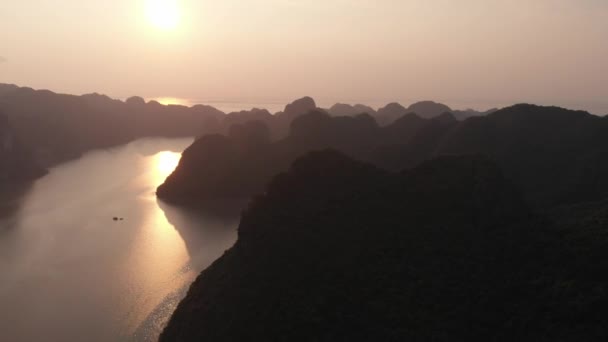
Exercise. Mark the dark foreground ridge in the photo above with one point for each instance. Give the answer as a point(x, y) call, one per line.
point(339, 250)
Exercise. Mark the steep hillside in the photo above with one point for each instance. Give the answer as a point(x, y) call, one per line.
point(556, 156)
point(340, 250)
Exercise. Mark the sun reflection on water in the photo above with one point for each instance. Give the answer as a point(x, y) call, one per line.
point(158, 255)
point(172, 101)
point(166, 162)
point(117, 280)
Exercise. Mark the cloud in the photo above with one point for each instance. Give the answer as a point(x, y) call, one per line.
point(3, 60)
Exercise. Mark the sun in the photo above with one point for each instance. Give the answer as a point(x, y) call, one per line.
point(163, 14)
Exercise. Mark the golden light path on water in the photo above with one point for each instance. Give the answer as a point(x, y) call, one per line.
point(113, 280)
point(159, 249)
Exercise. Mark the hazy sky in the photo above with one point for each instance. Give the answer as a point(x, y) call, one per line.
point(477, 52)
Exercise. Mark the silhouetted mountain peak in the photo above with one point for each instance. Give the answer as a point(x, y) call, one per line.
point(206, 108)
point(530, 111)
point(341, 109)
point(389, 113)
point(97, 97)
point(253, 112)
point(154, 104)
point(300, 106)
point(135, 101)
point(393, 107)
point(364, 109)
point(428, 109)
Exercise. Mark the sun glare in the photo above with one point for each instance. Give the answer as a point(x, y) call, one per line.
point(163, 14)
point(167, 162)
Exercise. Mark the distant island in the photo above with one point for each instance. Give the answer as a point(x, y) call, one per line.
point(60, 127)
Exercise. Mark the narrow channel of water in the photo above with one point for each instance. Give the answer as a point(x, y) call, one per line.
point(69, 271)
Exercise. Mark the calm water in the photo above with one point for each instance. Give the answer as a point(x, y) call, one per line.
point(68, 272)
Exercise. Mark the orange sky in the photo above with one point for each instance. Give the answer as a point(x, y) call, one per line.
point(484, 52)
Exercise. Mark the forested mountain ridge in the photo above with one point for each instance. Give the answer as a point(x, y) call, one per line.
point(340, 250)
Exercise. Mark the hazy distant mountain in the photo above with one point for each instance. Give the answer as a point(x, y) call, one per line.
point(428, 109)
point(465, 114)
point(340, 250)
point(135, 101)
point(299, 107)
point(391, 112)
point(244, 116)
point(341, 109)
point(424, 109)
point(16, 162)
point(59, 127)
point(282, 120)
